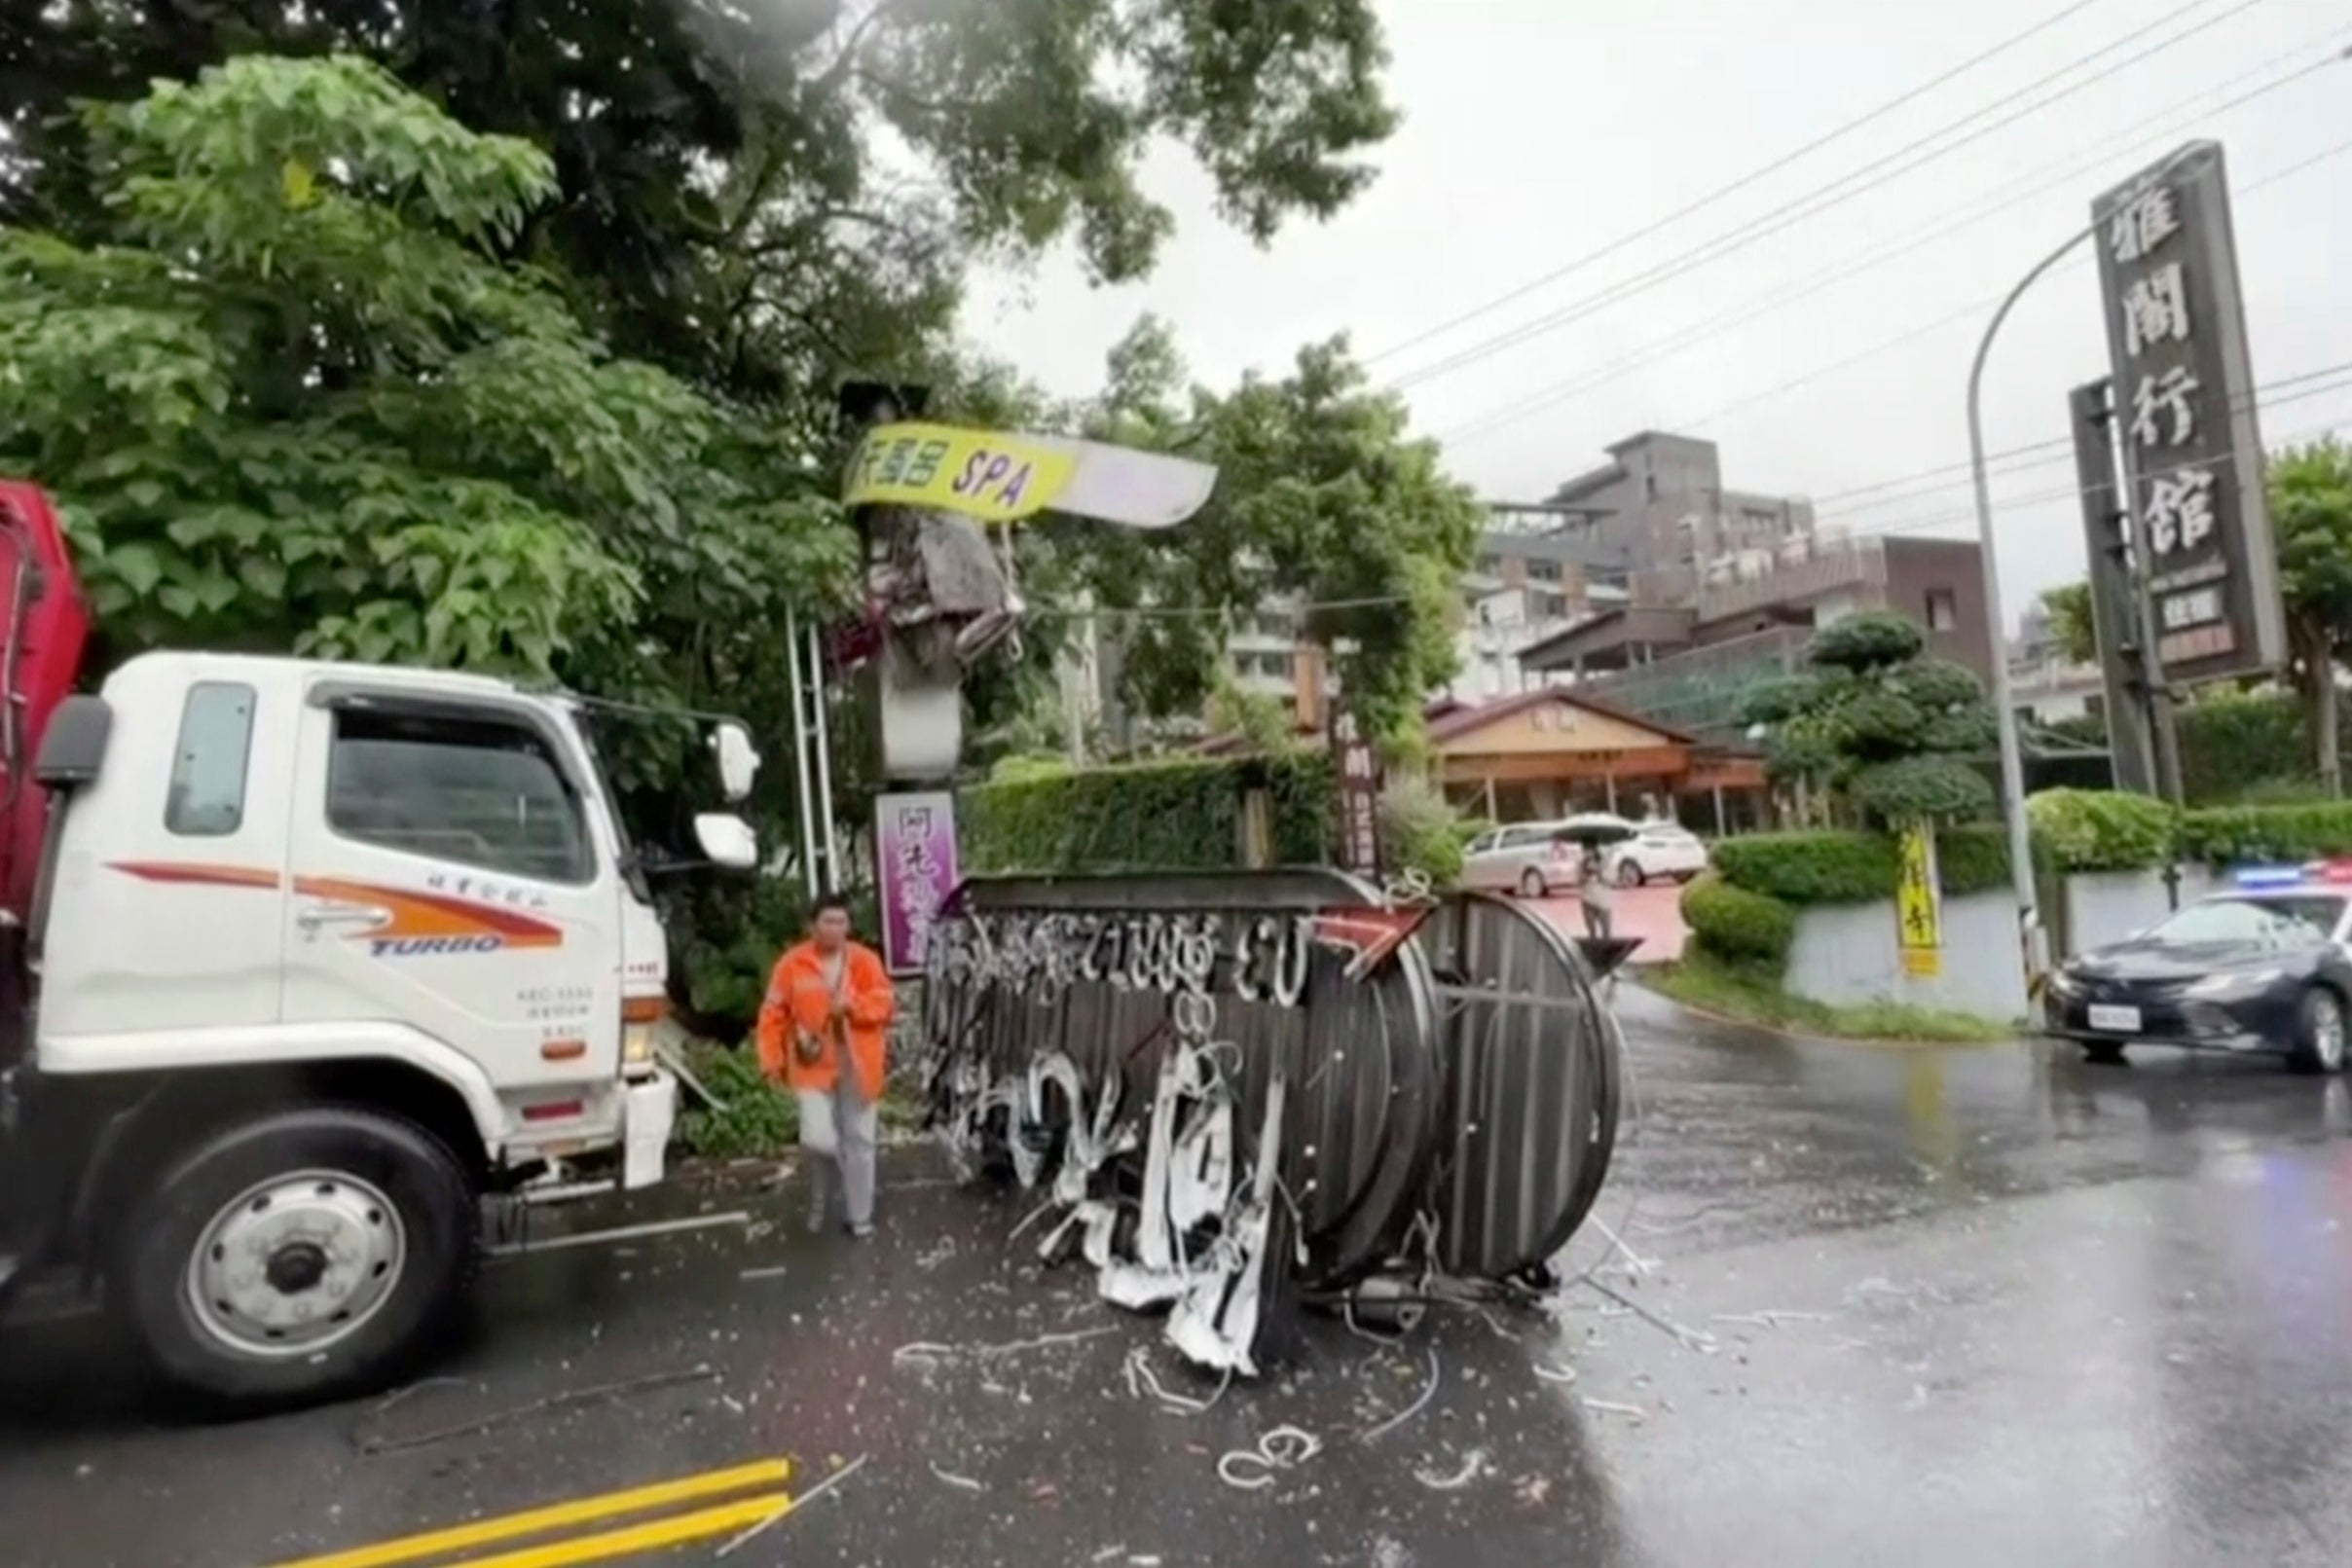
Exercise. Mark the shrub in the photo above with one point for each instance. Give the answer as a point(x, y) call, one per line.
point(1837, 866)
point(2233, 741)
point(1421, 831)
point(1830, 867)
point(1971, 858)
point(2101, 829)
point(761, 1119)
point(1177, 815)
point(2230, 833)
point(1737, 926)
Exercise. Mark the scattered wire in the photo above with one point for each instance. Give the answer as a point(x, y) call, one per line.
point(1282, 1449)
point(1688, 1339)
point(553, 1402)
point(1406, 1414)
point(1474, 1465)
point(965, 1482)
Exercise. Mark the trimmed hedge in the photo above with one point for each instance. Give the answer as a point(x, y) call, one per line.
point(1177, 815)
point(2233, 833)
point(2100, 829)
point(1836, 867)
point(1738, 925)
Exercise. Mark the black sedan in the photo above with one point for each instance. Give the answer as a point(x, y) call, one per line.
point(2262, 971)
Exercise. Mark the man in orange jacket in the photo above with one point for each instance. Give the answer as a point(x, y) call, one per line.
point(831, 997)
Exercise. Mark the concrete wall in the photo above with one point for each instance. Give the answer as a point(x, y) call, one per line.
point(2107, 906)
point(1846, 953)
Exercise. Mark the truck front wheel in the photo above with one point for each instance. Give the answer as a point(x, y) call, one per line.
point(301, 1256)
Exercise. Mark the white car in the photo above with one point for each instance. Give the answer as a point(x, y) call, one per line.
point(1657, 852)
point(1532, 858)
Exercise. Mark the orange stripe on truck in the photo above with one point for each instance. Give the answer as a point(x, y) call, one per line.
point(413, 914)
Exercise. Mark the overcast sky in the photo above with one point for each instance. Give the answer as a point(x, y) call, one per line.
point(1537, 131)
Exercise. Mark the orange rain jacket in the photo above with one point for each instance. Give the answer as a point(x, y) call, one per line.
point(798, 999)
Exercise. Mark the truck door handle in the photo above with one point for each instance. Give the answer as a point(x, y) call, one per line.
point(318, 917)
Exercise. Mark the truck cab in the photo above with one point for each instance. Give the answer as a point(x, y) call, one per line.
point(317, 956)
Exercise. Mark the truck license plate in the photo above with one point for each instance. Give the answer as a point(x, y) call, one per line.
point(2116, 1020)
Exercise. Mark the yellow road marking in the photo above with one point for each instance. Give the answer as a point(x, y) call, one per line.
point(654, 1535)
point(511, 1526)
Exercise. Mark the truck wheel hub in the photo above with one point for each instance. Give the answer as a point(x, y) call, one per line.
point(294, 1263)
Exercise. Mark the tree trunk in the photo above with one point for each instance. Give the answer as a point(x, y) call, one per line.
point(2319, 703)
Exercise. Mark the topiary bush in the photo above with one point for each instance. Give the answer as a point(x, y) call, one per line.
point(2101, 829)
point(1922, 788)
point(1735, 924)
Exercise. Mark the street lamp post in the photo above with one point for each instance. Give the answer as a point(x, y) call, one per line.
point(2033, 937)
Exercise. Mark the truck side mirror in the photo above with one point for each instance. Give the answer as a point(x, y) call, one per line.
point(75, 743)
point(738, 760)
point(726, 840)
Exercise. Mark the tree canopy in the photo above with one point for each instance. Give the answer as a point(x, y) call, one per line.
point(292, 398)
point(760, 195)
point(2069, 605)
point(2310, 493)
point(1324, 501)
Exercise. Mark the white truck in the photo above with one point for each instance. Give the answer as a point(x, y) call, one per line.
point(302, 960)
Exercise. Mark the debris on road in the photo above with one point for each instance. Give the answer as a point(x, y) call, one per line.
point(1253, 1469)
point(1409, 1411)
point(1474, 1465)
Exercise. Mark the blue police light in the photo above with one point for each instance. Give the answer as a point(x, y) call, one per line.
point(2268, 876)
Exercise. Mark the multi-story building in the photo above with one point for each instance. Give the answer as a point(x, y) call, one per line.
point(1692, 661)
point(1659, 504)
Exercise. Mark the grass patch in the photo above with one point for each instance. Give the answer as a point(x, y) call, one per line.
point(1753, 997)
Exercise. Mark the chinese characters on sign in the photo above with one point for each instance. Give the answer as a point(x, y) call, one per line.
point(1358, 767)
point(915, 841)
point(1919, 905)
point(2184, 417)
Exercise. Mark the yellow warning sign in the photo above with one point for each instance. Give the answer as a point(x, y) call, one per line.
point(1918, 903)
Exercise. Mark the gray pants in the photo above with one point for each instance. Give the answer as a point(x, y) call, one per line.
point(851, 1165)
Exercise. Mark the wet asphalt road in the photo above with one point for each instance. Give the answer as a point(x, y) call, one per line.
point(1970, 1306)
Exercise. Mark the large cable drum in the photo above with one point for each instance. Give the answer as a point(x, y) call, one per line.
point(1194, 1064)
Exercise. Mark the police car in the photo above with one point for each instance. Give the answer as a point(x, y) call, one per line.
point(2260, 966)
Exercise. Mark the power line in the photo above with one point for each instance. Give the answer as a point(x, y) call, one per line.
point(1960, 515)
point(1975, 307)
point(1827, 197)
point(1546, 398)
point(1820, 516)
point(1720, 192)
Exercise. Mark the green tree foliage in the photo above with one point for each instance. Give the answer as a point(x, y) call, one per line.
point(2311, 516)
point(725, 211)
point(293, 399)
point(2070, 610)
point(1323, 499)
point(1880, 723)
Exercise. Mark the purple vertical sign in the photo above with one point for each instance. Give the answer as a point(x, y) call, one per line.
point(915, 840)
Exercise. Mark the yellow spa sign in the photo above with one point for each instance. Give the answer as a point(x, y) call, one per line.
point(985, 474)
point(1918, 903)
